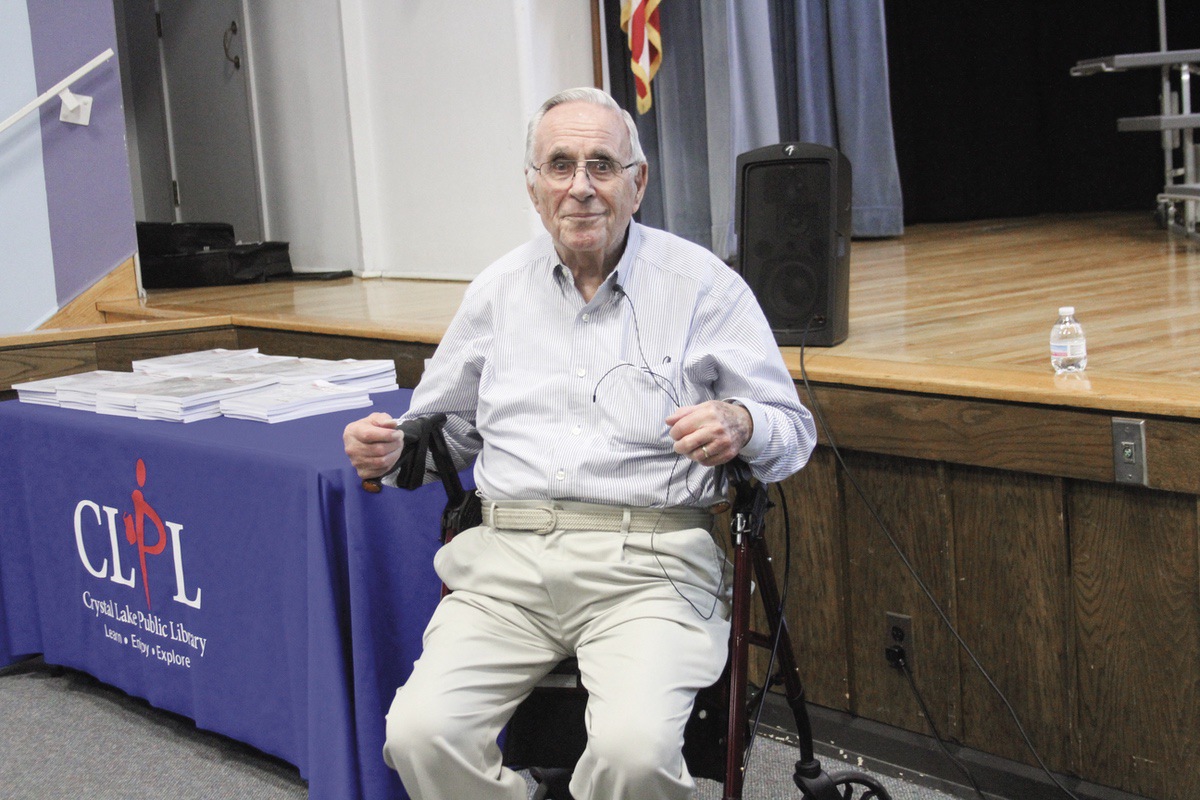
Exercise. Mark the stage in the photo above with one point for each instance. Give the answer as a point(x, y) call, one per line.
point(960, 309)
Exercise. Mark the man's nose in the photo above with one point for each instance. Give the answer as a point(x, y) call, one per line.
point(581, 181)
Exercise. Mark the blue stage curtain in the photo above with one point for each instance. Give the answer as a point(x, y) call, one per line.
point(740, 75)
point(843, 101)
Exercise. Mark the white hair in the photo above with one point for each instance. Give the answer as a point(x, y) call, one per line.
point(584, 94)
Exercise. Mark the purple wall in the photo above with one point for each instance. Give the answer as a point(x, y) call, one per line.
point(87, 167)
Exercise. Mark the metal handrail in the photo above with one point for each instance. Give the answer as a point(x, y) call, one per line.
point(57, 89)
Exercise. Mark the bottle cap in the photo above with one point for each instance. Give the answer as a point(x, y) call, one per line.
point(1066, 311)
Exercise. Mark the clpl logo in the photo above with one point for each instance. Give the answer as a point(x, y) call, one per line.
point(143, 523)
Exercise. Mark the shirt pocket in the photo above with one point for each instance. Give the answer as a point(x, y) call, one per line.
point(635, 403)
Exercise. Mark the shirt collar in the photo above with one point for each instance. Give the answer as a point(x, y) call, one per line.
point(620, 274)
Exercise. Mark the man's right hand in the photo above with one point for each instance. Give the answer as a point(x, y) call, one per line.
point(373, 444)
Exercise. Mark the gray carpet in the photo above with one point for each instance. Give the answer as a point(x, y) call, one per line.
point(66, 736)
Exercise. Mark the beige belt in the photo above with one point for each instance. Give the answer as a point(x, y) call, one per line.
point(544, 517)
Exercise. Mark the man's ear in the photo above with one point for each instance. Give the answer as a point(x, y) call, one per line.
point(640, 179)
point(532, 187)
point(529, 186)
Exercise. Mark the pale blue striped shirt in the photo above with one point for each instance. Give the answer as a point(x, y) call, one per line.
point(558, 399)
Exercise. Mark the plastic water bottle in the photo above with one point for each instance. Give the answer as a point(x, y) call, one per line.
point(1068, 346)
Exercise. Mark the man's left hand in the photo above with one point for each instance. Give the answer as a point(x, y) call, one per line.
point(710, 433)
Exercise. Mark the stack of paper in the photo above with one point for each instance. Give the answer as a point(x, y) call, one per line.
point(191, 386)
point(251, 363)
point(374, 375)
point(78, 391)
point(117, 396)
point(86, 396)
point(286, 401)
point(201, 362)
point(183, 398)
point(43, 392)
point(291, 370)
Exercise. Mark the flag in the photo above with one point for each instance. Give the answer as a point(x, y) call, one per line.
point(639, 19)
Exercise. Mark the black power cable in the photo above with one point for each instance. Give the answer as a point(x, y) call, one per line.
point(816, 410)
point(897, 658)
point(672, 392)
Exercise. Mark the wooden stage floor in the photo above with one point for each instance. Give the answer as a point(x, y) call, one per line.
point(959, 309)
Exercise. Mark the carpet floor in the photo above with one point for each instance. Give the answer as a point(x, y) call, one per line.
point(66, 736)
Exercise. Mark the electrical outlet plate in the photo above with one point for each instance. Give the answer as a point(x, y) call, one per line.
point(899, 631)
point(1129, 451)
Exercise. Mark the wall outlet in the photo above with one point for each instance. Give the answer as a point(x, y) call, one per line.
point(899, 633)
point(1129, 451)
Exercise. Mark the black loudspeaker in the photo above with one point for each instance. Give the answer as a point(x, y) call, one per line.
point(793, 227)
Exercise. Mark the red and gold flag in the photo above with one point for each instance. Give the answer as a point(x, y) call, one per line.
point(639, 19)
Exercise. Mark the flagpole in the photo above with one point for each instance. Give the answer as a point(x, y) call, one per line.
point(597, 47)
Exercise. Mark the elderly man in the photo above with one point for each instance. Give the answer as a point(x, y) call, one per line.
point(597, 375)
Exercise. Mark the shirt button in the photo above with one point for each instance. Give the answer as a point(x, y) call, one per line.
point(587, 317)
point(581, 372)
point(576, 430)
point(560, 475)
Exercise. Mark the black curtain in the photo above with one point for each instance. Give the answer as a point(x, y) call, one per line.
point(989, 122)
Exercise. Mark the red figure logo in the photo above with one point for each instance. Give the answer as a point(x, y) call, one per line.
point(135, 527)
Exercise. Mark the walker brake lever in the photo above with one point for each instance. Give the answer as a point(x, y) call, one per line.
point(413, 430)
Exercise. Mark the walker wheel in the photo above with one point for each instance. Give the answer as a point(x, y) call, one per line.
point(843, 786)
point(857, 786)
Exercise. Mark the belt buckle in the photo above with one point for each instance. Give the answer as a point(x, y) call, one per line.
point(551, 521)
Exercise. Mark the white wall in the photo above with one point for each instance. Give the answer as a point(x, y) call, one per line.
point(27, 285)
point(391, 135)
point(298, 80)
point(438, 94)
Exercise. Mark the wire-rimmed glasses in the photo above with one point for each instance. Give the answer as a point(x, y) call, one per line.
point(562, 170)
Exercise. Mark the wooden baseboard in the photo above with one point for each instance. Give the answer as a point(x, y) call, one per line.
point(846, 742)
point(120, 284)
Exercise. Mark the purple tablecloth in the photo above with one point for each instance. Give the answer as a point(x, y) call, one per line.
point(239, 576)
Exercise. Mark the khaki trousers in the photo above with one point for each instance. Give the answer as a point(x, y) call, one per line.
point(646, 614)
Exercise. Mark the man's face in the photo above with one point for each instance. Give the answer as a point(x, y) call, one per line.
point(586, 218)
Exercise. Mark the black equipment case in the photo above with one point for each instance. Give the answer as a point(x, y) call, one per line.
point(177, 255)
point(183, 238)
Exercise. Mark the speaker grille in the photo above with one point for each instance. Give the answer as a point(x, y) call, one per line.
point(785, 240)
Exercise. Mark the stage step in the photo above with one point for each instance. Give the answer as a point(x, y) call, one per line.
point(1182, 191)
point(1173, 122)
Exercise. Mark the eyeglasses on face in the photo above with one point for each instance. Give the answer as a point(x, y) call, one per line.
point(562, 170)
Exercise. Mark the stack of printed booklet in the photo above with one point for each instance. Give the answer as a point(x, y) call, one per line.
point(245, 384)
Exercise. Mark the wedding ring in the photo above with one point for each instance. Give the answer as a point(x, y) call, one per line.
point(705, 449)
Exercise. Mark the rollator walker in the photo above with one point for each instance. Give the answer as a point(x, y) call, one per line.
point(546, 734)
